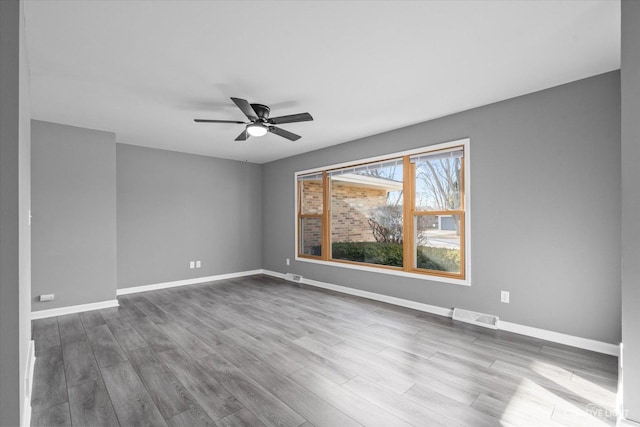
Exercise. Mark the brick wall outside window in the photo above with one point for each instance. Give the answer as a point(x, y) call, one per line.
point(311, 204)
point(351, 207)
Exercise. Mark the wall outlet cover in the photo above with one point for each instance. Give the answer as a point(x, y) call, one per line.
point(504, 297)
point(198, 264)
point(192, 264)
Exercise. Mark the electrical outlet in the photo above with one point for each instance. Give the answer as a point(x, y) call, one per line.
point(47, 297)
point(504, 297)
point(288, 262)
point(192, 264)
point(198, 264)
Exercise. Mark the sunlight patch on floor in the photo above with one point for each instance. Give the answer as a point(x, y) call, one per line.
point(577, 403)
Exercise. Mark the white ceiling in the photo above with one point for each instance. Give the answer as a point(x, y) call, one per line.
point(146, 69)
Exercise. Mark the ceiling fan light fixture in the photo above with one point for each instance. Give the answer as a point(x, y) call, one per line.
point(257, 129)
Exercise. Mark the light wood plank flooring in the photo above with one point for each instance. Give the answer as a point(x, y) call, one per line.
point(260, 351)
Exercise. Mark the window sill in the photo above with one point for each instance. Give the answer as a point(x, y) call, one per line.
point(393, 272)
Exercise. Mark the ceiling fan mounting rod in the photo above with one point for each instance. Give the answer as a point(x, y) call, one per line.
point(262, 111)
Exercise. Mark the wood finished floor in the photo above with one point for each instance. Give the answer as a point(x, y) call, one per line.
point(259, 351)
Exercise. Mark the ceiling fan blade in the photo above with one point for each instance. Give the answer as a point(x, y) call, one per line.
point(302, 117)
point(246, 108)
point(217, 121)
point(284, 133)
point(243, 136)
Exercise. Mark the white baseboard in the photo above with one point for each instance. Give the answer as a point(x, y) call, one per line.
point(371, 295)
point(623, 422)
point(195, 281)
point(380, 297)
point(60, 311)
point(25, 420)
point(570, 340)
point(557, 337)
point(274, 274)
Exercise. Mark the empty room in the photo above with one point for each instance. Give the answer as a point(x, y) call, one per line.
point(319, 213)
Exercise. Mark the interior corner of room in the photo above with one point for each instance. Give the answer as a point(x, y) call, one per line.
point(89, 216)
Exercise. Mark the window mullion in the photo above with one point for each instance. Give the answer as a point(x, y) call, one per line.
point(447, 212)
point(299, 219)
point(407, 214)
point(463, 234)
point(326, 218)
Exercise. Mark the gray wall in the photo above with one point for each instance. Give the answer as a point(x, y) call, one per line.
point(545, 209)
point(169, 208)
point(630, 87)
point(174, 208)
point(74, 215)
point(15, 286)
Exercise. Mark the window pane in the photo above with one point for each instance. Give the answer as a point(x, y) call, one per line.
point(366, 214)
point(311, 236)
point(439, 182)
point(311, 195)
point(438, 242)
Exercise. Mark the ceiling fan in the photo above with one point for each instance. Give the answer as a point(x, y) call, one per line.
point(260, 123)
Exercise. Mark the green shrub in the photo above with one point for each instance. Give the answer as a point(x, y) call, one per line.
point(439, 259)
point(370, 252)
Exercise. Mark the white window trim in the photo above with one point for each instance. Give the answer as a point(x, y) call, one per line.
point(422, 276)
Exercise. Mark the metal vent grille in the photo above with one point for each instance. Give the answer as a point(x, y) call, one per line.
point(480, 319)
point(293, 277)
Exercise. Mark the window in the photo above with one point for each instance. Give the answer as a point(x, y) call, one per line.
point(401, 214)
point(366, 213)
point(311, 213)
point(438, 211)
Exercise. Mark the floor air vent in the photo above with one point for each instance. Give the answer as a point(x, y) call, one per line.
point(294, 277)
point(480, 319)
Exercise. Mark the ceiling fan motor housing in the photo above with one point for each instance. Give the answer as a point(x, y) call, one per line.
point(262, 111)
